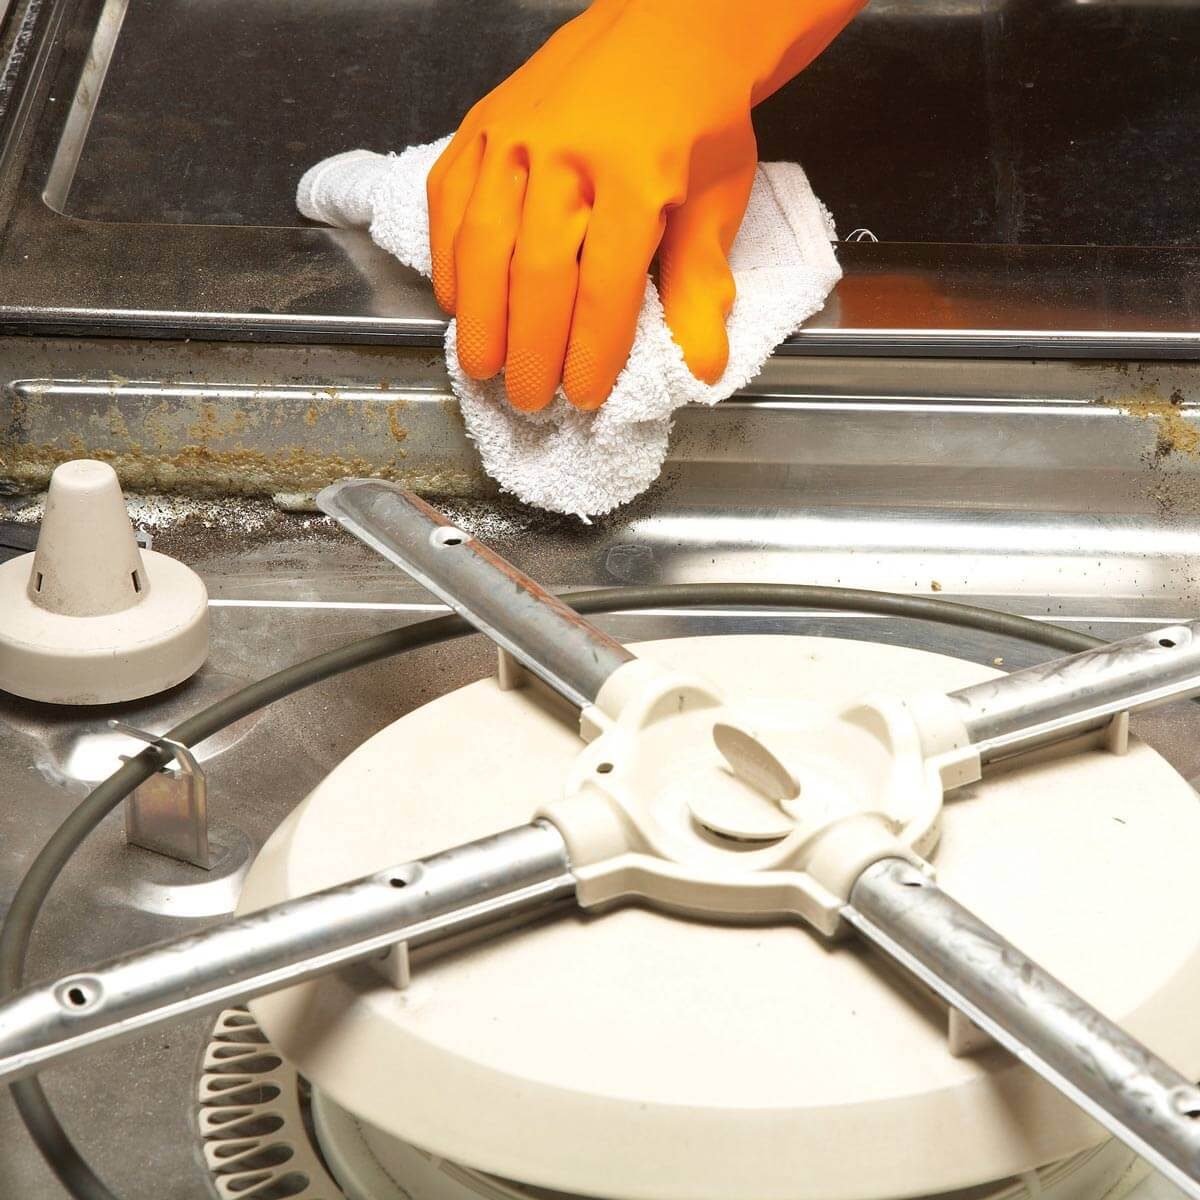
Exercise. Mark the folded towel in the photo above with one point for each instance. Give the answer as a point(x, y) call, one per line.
point(581, 463)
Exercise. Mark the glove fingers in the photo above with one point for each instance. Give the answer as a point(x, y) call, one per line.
point(697, 291)
point(542, 285)
point(695, 283)
point(620, 242)
point(483, 252)
point(448, 189)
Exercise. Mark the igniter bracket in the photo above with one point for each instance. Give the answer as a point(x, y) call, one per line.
point(168, 813)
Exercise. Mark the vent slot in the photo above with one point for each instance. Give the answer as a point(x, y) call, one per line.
point(254, 1120)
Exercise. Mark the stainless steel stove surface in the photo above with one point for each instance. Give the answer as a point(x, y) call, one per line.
point(1064, 484)
point(288, 585)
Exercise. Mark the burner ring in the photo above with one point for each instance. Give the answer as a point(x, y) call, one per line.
point(266, 1136)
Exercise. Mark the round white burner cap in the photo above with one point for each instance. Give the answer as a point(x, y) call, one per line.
point(89, 617)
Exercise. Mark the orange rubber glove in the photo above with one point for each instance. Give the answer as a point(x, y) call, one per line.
point(627, 133)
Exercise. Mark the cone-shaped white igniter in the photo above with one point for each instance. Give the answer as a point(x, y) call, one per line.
point(89, 617)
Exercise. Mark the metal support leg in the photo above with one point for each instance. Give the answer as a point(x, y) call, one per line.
point(169, 812)
point(1114, 1078)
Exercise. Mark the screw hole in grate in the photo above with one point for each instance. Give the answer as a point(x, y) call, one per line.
point(448, 536)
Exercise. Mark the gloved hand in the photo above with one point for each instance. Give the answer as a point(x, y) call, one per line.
point(627, 132)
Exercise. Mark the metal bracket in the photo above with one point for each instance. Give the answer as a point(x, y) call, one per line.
point(169, 812)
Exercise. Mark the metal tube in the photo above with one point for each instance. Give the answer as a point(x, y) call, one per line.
point(1114, 1078)
point(1068, 696)
point(535, 627)
point(514, 873)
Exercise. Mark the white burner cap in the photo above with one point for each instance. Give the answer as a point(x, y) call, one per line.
point(89, 617)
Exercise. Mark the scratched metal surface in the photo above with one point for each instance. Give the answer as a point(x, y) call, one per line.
point(1067, 489)
point(288, 585)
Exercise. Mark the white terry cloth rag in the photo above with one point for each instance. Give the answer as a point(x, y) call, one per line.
point(588, 463)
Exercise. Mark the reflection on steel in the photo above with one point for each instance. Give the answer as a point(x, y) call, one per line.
point(526, 871)
point(519, 615)
point(1111, 1076)
point(995, 168)
point(1068, 696)
point(169, 812)
point(870, 472)
point(519, 872)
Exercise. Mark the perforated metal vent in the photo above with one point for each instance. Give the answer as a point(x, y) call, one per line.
point(252, 1119)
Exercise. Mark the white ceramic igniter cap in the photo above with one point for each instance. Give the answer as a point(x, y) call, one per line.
point(89, 617)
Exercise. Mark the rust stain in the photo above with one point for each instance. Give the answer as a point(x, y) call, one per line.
point(209, 425)
point(201, 470)
point(206, 448)
point(1175, 432)
point(16, 418)
point(156, 424)
point(116, 423)
point(398, 432)
point(1172, 480)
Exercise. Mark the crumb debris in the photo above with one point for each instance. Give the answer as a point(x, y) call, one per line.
point(1175, 431)
point(165, 512)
